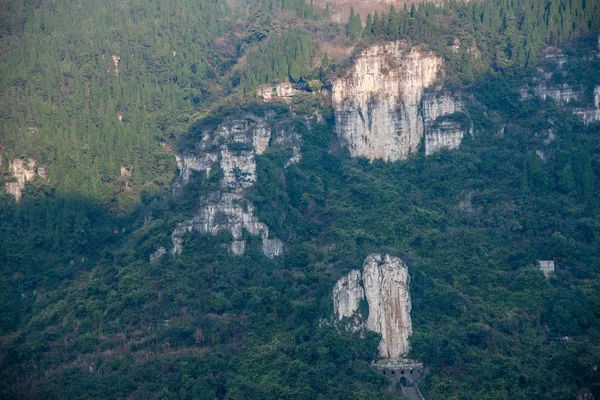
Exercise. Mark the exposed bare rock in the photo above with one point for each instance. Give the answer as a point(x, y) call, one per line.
point(42, 173)
point(177, 236)
point(158, 254)
point(387, 290)
point(591, 114)
point(186, 163)
point(348, 292)
point(377, 103)
point(584, 393)
point(296, 156)
point(560, 94)
point(232, 148)
point(238, 247)
point(381, 110)
point(440, 132)
point(385, 284)
point(22, 171)
point(285, 89)
point(116, 61)
point(125, 171)
point(547, 267)
point(272, 247)
point(265, 92)
point(455, 45)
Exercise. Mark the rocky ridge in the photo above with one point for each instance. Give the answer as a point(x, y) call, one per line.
point(231, 149)
point(385, 284)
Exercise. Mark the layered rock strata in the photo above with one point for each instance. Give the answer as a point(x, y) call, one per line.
point(385, 284)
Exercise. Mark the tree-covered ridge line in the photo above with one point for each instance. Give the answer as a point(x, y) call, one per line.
point(506, 35)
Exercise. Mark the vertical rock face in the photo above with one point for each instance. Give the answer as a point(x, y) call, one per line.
point(560, 94)
point(231, 148)
point(386, 287)
point(386, 283)
point(265, 92)
point(380, 109)
point(284, 91)
point(377, 103)
point(347, 294)
point(441, 133)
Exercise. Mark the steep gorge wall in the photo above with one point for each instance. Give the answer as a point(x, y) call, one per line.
point(385, 284)
point(380, 112)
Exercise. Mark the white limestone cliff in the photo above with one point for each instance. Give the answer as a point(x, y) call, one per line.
point(347, 294)
point(385, 284)
point(387, 290)
point(439, 132)
point(381, 111)
point(232, 148)
point(561, 94)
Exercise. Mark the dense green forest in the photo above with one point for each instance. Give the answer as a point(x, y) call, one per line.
point(90, 87)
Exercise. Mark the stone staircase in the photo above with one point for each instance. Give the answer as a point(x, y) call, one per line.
point(412, 392)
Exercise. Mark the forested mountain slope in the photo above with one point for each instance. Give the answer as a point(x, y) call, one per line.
point(142, 119)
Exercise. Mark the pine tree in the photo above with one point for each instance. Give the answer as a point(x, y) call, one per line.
point(369, 26)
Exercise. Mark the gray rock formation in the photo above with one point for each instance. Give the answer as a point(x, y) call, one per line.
point(380, 112)
point(347, 294)
point(22, 171)
point(284, 91)
point(232, 148)
point(386, 287)
point(561, 94)
point(591, 114)
point(442, 133)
